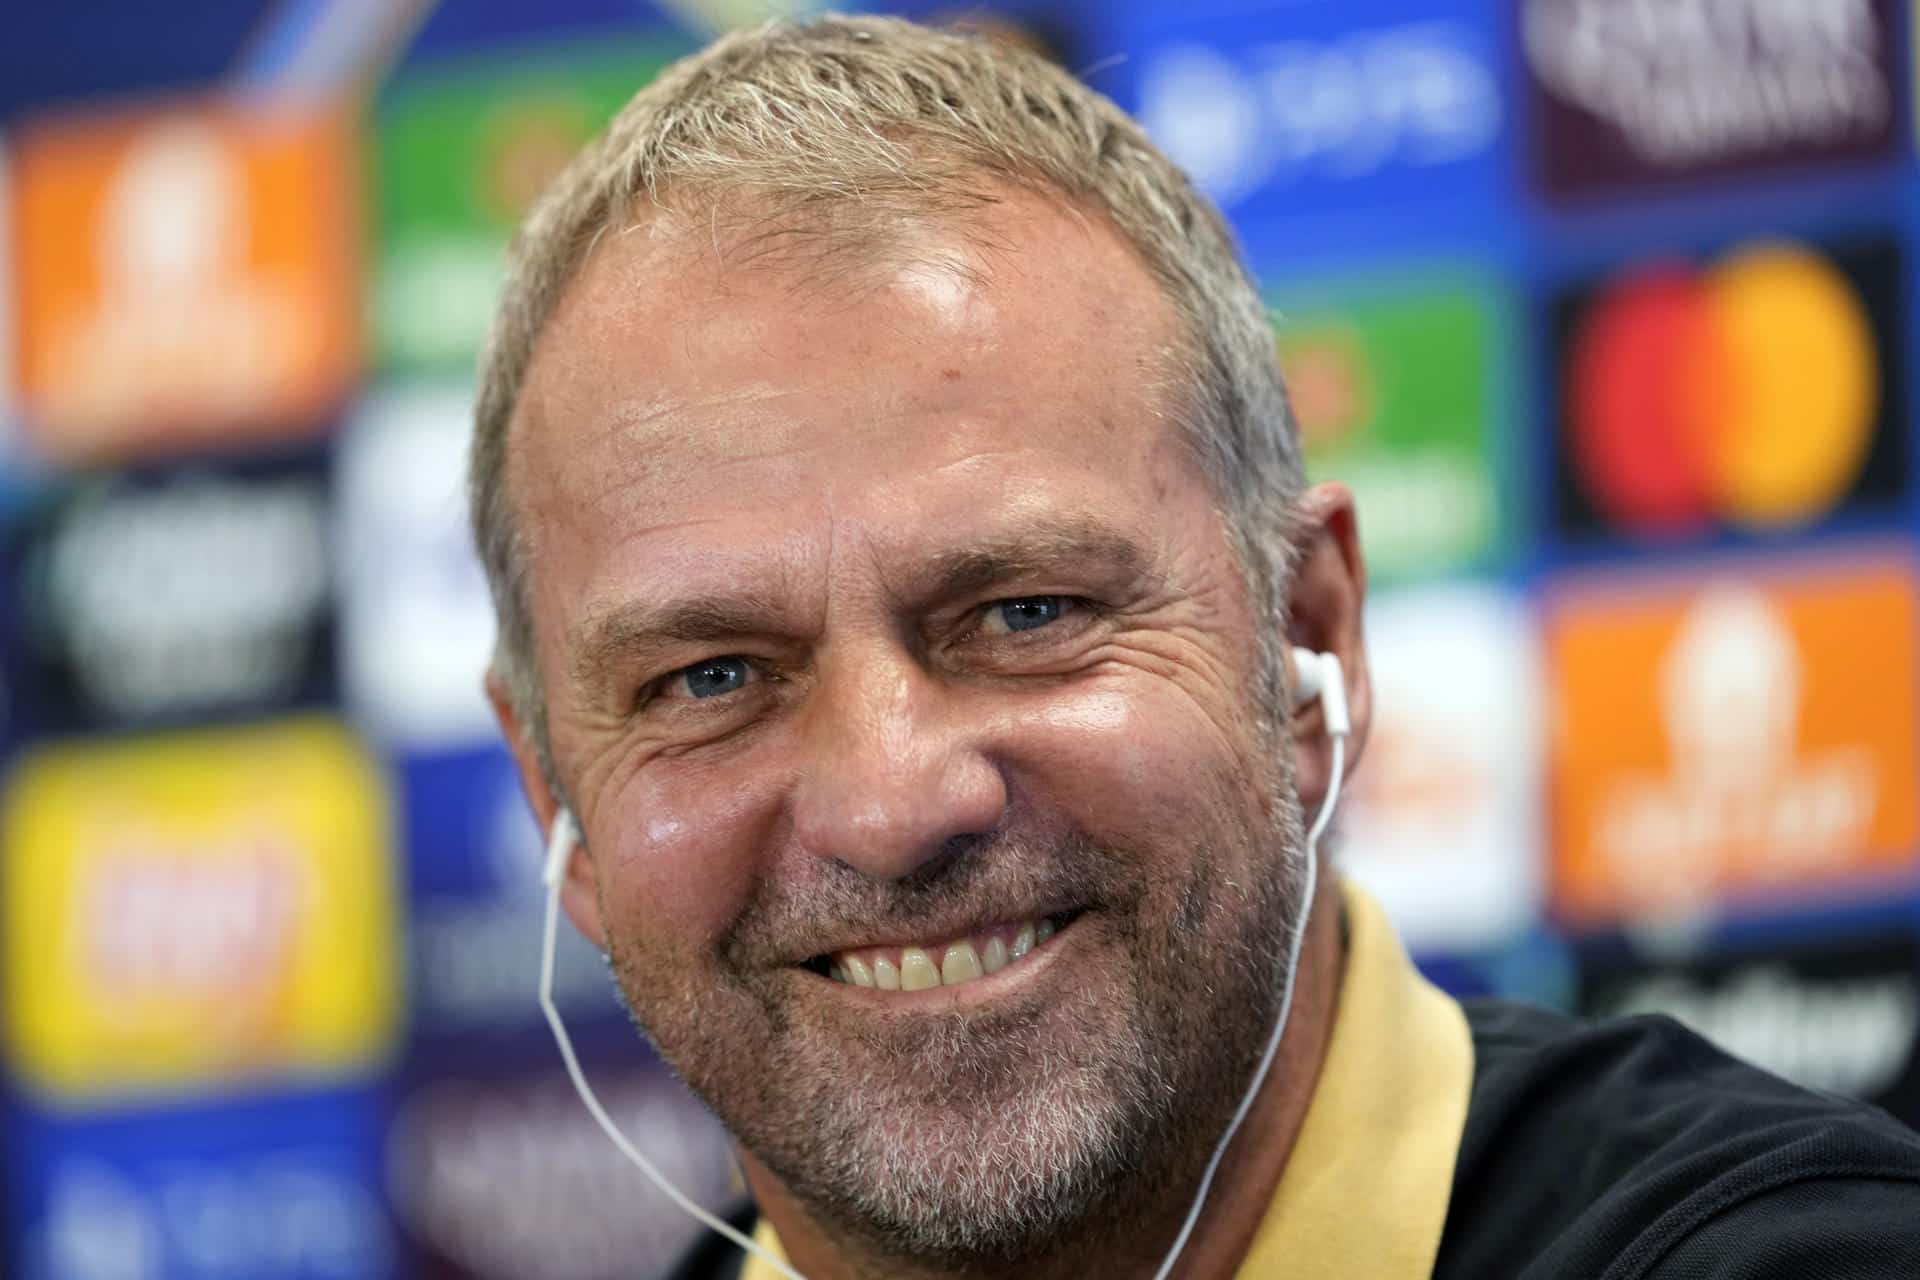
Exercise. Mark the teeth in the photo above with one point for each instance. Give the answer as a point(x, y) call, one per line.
point(916, 970)
point(961, 965)
point(922, 968)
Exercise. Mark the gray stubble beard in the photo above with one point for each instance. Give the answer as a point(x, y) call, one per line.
point(1017, 1139)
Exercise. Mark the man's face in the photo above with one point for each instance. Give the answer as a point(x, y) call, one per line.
point(882, 626)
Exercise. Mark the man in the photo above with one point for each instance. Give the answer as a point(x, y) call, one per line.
point(899, 542)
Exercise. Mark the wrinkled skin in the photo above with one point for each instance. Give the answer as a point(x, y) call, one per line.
point(773, 531)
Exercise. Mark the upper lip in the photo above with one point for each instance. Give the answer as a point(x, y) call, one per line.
point(941, 928)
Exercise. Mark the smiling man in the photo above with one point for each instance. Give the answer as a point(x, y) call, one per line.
point(899, 541)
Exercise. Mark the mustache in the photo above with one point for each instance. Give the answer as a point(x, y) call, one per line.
point(1000, 876)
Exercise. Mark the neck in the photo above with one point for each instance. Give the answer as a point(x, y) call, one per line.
point(1242, 1189)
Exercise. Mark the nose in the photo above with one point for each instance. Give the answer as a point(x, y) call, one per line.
point(895, 771)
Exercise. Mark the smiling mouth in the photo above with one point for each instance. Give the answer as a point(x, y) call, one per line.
point(941, 964)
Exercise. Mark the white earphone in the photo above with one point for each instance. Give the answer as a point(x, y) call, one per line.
point(1316, 676)
point(1319, 675)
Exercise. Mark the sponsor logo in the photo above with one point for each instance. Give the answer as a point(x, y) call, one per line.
point(416, 619)
point(474, 856)
point(190, 912)
point(1334, 112)
point(1840, 1012)
point(470, 960)
point(291, 1213)
point(462, 1154)
point(1737, 735)
point(178, 594)
point(1630, 92)
point(1852, 1036)
point(188, 278)
point(460, 153)
point(1394, 390)
point(1443, 824)
point(1761, 390)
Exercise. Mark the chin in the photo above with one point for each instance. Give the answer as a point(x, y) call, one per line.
point(995, 1182)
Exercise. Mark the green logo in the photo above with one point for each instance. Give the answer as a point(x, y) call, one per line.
point(1395, 383)
point(461, 150)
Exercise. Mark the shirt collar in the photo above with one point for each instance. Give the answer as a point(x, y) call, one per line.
point(1366, 1188)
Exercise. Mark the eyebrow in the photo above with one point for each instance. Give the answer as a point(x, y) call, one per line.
point(1054, 545)
point(636, 628)
point(1046, 546)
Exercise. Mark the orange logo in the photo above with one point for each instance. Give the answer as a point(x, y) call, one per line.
point(186, 278)
point(1735, 736)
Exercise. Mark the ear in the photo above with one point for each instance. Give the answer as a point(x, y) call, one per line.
point(580, 891)
point(1329, 592)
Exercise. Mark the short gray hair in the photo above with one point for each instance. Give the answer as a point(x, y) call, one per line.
point(839, 115)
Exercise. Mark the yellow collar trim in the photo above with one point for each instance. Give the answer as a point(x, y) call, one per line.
point(1364, 1195)
point(1365, 1191)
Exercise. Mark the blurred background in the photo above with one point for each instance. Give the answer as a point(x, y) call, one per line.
point(1600, 306)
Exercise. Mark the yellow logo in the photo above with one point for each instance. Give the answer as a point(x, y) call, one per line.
point(197, 911)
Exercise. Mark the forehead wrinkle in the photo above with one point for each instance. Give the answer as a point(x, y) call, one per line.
point(629, 425)
point(648, 466)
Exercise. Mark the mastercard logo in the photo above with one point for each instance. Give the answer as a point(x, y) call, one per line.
point(1745, 392)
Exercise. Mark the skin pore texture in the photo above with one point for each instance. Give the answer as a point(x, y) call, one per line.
point(897, 612)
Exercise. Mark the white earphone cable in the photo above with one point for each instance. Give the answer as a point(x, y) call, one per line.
point(559, 844)
point(1286, 1007)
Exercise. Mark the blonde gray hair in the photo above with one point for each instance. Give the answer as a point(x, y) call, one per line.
point(825, 121)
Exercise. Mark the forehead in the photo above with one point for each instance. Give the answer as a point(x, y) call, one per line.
point(693, 395)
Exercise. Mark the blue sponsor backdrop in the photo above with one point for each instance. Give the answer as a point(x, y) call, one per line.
point(1663, 205)
point(1325, 127)
point(265, 1186)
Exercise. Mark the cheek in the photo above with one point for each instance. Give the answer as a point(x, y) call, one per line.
point(1130, 765)
point(677, 849)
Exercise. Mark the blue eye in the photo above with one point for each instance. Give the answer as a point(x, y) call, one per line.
point(1030, 612)
point(716, 676)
